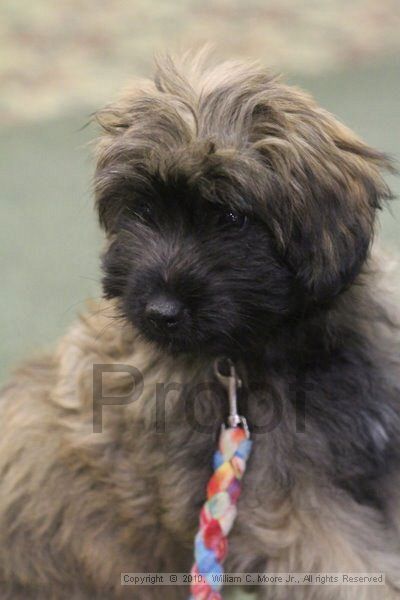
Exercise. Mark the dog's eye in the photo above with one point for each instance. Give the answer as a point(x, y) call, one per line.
point(143, 210)
point(233, 218)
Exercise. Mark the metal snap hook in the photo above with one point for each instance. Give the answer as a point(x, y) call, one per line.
point(226, 374)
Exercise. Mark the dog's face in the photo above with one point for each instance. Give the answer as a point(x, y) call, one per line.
point(232, 206)
point(196, 275)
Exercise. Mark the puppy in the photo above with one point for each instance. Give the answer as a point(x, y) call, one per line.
point(239, 218)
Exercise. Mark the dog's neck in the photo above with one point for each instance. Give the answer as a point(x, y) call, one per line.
point(354, 320)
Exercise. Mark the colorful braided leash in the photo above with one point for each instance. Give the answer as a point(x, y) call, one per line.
point(223, 490)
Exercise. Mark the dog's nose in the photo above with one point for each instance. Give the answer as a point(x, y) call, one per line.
point(164, 312)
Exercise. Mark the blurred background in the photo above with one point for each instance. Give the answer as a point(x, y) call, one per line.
point(61, 60)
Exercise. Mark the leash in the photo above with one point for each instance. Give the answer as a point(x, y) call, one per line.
point(218, 513)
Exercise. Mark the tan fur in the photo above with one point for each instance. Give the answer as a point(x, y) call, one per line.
point(78, 508)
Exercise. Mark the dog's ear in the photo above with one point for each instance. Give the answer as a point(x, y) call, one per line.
point(330, 187)
point(145, 125)
point(127, 130)
point(111, 178)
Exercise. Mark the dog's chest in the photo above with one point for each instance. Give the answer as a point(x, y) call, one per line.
point(181, 492)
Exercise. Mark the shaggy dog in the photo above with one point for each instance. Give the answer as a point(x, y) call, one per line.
point(239, 219)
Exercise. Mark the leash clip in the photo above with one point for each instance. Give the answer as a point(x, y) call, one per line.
point(226, 374)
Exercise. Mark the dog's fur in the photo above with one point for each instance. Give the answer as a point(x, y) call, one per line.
point(286, 286)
